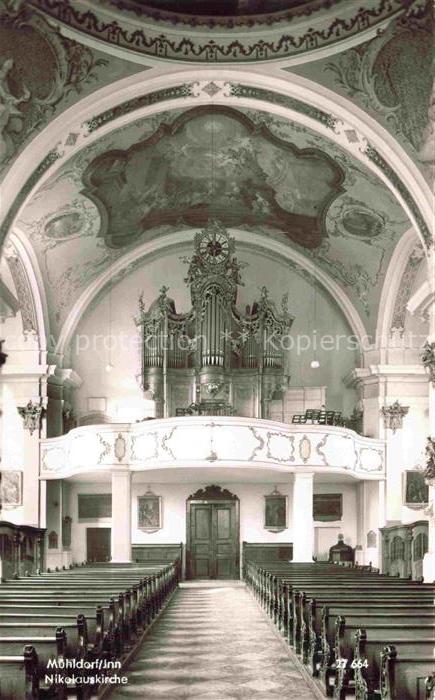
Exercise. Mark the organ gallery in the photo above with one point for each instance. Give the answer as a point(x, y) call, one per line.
point(217, 349)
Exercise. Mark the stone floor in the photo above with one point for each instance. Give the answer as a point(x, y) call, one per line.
point(213, 642)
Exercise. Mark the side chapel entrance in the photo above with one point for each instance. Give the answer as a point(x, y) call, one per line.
point(213, 534)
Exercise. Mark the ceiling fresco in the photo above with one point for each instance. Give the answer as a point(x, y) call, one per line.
point(390, 77)
point(60, 72)
point(213, 163)
point(73, 244)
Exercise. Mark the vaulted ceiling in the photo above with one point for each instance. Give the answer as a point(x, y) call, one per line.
point(176, 170)
point(267, 174)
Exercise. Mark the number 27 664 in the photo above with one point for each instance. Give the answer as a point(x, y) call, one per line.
point(355, 663)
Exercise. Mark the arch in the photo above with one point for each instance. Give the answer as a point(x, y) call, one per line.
point(34, 283)
point(173, 240)
point(392, 284)
point(291, 97)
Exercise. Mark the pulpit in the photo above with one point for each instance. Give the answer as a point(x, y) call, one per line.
point(341, 552)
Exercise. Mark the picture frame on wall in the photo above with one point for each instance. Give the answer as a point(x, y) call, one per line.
point(275, 512)
point(11, 488)
point(327, 507)
point(149, 512)
point(415, 489)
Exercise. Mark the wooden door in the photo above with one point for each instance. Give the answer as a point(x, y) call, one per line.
point(98, 544)
point(213, 540)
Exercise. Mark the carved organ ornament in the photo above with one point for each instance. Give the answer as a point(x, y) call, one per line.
point(214, 343)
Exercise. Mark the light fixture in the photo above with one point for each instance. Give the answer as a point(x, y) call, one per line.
point(314, 364)
point(109, 367)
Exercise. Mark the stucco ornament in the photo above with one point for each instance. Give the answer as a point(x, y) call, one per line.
point(31, 414)
point(429, 472)
point(393, 416)
point(9, 108)
point(428, 359)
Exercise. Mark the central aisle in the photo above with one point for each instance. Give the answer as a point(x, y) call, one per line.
point(213, 642)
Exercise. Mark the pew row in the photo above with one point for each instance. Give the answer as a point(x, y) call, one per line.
point(96, 615)
point(324, 610)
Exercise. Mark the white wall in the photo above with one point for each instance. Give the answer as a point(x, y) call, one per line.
point(174, 512)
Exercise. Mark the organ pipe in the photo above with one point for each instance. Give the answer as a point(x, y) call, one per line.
point(213, 334)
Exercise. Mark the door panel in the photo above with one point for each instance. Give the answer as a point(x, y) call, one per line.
point(202, 523)
point(201, 537)
point(213, 540)
point(223, 523)
point(225, 540)
point(98, 546)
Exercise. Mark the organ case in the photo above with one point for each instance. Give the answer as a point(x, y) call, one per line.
point(214, 359)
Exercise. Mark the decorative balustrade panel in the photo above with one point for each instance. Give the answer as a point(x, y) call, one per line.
point(216, 441)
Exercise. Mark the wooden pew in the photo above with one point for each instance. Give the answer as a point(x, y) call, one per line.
point(368, 659)
point(298, 621)
point(76, 631)
point(50, 647)
point(94, 624)
point(314, 612)
point(19, 675)
point(407, 678)
point(36, 605)
point(285, 589)
point(340, 667)
point(274, 586)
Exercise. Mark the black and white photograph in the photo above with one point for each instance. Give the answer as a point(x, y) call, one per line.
point(217, 349)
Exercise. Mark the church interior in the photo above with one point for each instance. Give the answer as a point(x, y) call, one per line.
point(217, 380)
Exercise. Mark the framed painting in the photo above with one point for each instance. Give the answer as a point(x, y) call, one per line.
point(415, 490)
point(275, 512)
point(94, 506)
point(11, 488)
point(149, 512)
point(327, 507)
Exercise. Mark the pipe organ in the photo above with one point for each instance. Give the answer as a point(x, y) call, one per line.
point(214, 359)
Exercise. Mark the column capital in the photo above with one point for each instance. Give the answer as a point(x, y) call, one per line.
point(121, 471)
point(303, 475)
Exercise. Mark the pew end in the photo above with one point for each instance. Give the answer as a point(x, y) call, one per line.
point(19, 675)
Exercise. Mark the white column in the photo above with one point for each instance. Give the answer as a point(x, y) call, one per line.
point(121, 515)
point(303, 524)
point(382, 519)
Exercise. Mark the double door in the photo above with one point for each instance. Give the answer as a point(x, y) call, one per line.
point(213, 540)
point(98, 544)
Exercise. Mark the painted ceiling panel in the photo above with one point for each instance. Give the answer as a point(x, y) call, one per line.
point(259, 154)
point(213, 163)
